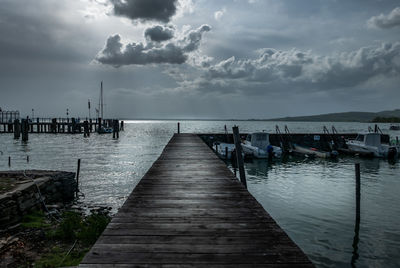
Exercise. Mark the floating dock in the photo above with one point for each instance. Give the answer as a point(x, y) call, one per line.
point(189, 210)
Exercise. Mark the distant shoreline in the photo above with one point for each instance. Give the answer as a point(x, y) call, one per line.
point(359, 117)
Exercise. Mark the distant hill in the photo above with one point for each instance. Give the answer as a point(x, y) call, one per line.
point(342, 117)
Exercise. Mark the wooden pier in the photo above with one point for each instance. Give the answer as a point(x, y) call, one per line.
point(59, 125)
point(190, 211)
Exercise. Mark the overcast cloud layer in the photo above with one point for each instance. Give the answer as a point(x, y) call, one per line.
point(198, 59)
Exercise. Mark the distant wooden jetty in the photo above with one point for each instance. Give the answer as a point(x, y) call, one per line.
point(58, 125)
point(189, 210)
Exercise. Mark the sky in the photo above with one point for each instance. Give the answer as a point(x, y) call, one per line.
point(196, 59)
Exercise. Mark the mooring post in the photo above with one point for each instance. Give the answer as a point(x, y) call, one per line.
point(358, 190)
point(239, 157)
point(27, 158)
point(356, 237)
point(122, 126)
point(17, 129)
point(99, 125)
point(86, 132)
point(115, 129)
point(77, 176)
point(9, 161)
point(24, 129)
point(179, 128)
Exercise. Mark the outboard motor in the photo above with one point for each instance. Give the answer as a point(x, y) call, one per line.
point(392, 153)
point(270, 151)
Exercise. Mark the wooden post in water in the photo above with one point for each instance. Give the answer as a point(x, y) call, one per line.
point(17, 129)
point(90, 125)
point(358, 190)
point(9, 161)
point(179, 128)
point(239, 157)
point(27, 158)
point(24, 129)
point(77, 176)
point(86, 132)
point(73, 123)
point(356, 238)
point(99, 125)
point(54, 125)
point(115, 129)
point(122, 125)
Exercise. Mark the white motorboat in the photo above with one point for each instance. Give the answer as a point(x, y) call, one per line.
point(224, 150)
point(258, 145)
point(369, 144)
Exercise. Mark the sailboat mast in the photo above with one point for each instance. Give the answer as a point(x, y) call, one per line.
point(101, 99)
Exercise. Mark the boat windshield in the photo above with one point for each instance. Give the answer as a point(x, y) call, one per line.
point(260, 136)
point(248, 138)
point(360, 137)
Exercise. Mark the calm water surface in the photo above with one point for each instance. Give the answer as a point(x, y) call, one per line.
point(312, 200)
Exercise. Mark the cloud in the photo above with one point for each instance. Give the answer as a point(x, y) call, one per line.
point(276, 70)
point(159, 33)
point(218, 14)
point(194, 37)
point(115, 53)
point(383, 21)
point(158, 10)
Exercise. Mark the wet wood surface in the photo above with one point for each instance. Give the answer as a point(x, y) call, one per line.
point(190, 211)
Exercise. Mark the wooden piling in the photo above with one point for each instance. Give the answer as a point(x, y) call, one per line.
point(115, 129)
point(24, 129)
point(122, 126)
point(9, 161)
point(17, 129)
point(99, 125)
point(358, 190)
point(179, 128)
point(86, 132)
point(77, 175)
point(239, 157)
point(356, 237)
point(27, 158)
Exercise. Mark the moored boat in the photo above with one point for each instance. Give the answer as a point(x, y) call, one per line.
point(370, 144)
point(313, 152)
point(258, 145)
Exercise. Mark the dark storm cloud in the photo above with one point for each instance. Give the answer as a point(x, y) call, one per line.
point(384, 21)
point(159, 33)
point(278, 70)
point(159, 10)
point(173, 52)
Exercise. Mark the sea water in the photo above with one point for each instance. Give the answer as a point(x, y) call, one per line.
point(313, 200)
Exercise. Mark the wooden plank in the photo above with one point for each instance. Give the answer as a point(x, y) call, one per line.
point(189, 210)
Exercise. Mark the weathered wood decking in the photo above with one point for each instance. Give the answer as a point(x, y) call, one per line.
point(190, 210)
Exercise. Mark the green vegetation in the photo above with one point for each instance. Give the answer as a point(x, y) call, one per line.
point(35, 219)
point(57, 257)
point(392, 119)
point(68, 240)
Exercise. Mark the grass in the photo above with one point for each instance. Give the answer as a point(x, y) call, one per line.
point(57, 257)
point(35, 219)
point(75, 234)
